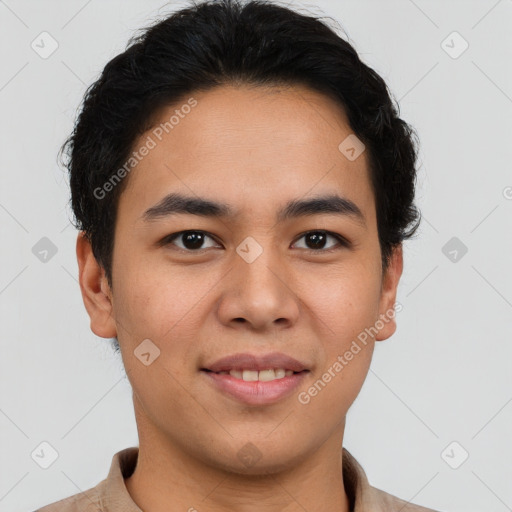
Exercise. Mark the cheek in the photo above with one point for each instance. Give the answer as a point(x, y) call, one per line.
point(346, 307)
point(347, 301)
point(167, 308)
point(152, 299)
point(154, 317)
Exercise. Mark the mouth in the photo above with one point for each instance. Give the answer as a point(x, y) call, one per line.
point(267, 375)
point(255, 391)
point(265, 363)
point(256, 380)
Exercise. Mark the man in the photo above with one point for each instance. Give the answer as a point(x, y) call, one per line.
point(242, 184)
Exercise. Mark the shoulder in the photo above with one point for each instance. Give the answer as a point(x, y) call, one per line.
point(391, 503)
point(86, 501)
point(109, 494)
point(366, 497)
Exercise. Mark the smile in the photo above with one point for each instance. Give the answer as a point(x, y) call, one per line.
point(253, 387)
point(262, 375)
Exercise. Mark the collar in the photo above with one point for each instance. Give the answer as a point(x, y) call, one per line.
point(114, 496)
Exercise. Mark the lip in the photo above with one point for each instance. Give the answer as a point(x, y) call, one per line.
point(246, 361)
point(255, 392)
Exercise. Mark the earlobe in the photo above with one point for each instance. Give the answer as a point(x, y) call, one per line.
point(96, 293)
point(390, 282)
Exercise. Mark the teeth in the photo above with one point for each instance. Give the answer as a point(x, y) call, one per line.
point(266, 375)
point(235, 373)
point(263, 375)
point(250, 375)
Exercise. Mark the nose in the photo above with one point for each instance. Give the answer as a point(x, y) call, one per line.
point(259, 295)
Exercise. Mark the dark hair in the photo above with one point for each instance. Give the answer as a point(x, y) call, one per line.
point(233, 42)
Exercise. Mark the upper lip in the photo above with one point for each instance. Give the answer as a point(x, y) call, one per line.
point(258, 362)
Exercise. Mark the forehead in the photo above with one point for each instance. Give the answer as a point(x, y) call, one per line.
point(252, 146)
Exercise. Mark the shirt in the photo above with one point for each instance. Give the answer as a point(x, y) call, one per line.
point(111, 495)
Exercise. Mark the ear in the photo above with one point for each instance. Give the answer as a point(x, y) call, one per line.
point(96, 292)
point(388, 294)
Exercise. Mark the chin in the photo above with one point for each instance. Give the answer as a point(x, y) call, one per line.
point(251, 460)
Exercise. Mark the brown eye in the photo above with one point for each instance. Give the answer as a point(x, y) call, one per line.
point(194, 240)
point(317, 240)
point(191, 240)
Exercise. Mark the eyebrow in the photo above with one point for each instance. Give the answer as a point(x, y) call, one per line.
point(176, 203)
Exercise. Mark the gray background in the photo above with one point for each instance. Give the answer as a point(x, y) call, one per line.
point(445, 375)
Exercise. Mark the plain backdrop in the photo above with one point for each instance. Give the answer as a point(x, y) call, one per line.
point(438, 391)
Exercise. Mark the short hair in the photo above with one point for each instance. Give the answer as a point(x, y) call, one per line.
point(233, 42)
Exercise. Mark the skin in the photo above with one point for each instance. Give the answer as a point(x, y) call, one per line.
point(254, 148)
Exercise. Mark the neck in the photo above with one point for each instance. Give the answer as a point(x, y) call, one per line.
point(169, 478)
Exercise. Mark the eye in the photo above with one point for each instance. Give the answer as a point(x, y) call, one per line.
point(192, 240)
point(317, 240)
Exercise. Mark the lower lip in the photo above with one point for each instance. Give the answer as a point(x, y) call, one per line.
point(256, 392)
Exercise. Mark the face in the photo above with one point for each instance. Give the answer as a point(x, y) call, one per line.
point(307, 284)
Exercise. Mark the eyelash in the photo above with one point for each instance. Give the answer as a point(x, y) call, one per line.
point(344, 243)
